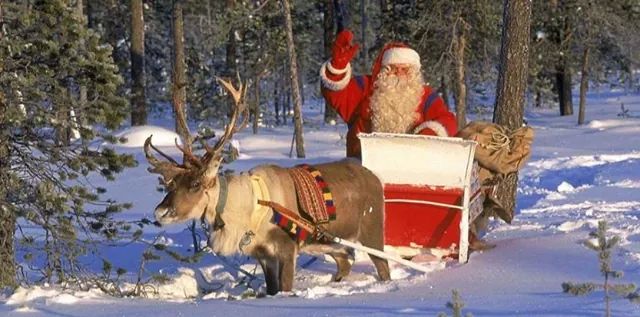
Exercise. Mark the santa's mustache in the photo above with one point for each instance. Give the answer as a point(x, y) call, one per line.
point(395, 82)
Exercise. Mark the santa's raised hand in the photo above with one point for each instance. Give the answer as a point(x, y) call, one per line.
point(343, 49)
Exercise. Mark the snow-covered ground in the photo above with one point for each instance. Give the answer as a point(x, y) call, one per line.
point(577, 175)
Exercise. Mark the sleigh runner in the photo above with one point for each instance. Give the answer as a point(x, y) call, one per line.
point(431, 187)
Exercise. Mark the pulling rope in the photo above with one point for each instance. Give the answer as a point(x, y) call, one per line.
point(319, 232)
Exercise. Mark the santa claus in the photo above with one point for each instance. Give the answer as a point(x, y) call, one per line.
point(394, 98)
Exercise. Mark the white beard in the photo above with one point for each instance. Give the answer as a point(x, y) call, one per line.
point(395, 102)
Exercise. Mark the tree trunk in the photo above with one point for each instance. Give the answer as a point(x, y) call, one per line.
point(295, 88)
point(7, 216)
point(63, 111)
point(512, 82)
point(7, 220)
point(300, 70)
point(538, 98)
point(179, 80)
point(232, 46)
point(330, 114)
point(256, 106)
point(90, 15)
point(276, 97)
point(563, 84)
point(363, 42)
point(231, 55)
point(138, 105)
point(560, 36)
point(82, 93)
point(443, 91)
point(460, 91)
point(341, 15)
point(584, 85)
point(287, 103)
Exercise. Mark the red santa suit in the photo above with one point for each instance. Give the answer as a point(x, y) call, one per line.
point(351, 95)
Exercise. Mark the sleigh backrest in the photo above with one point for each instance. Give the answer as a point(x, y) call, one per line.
point(418, 159)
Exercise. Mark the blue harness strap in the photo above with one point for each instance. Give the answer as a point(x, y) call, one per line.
point(359, 81)
point(354, 117)
point(429, 101)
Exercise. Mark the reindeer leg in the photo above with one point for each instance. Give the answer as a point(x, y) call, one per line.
point(287, 259)
point(270, 268)
point(344, 266)
point(375, 239)
point(382, 266)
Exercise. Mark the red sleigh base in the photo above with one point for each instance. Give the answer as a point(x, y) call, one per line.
point(431, 190)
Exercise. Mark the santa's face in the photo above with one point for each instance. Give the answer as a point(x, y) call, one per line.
point(396, 96)
point(401, 70)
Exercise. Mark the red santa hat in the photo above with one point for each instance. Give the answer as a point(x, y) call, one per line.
point(401, 55)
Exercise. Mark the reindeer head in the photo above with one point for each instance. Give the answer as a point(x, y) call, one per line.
point(190, 185)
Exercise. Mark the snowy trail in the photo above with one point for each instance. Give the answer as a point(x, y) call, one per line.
point(542, 262)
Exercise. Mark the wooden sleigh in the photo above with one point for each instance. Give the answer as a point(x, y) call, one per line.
point(431, 187)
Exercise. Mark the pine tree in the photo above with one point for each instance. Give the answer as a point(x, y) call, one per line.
point(604, 246)
point(456, 305)
point(46, 54)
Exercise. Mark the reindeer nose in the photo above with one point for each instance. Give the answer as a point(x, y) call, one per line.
point(162, 212)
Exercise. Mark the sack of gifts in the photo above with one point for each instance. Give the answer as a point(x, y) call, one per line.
point(499, 153)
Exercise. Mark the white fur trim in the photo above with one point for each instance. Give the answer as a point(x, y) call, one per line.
point(401, 55)
point(337, 71)
point(436, 126)
point(332, 84)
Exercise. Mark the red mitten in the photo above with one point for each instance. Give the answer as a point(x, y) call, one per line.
point(343, 50)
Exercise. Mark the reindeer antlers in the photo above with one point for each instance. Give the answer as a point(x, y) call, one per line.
point(211, 159)
point(238, 95)
point(169, 169)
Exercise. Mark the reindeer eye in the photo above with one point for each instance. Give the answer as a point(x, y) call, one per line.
point(196, 185)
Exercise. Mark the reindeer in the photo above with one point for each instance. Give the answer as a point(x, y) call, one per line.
point(239, 225)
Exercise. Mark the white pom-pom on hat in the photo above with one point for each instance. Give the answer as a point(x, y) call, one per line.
point(401, 55)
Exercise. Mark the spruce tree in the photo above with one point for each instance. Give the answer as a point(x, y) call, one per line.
point(604, 246)
point(456, 305)
point(46, 54)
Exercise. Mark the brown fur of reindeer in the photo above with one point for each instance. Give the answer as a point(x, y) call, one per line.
point(195, 189)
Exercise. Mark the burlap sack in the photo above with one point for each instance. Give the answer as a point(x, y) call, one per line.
point(499, 150)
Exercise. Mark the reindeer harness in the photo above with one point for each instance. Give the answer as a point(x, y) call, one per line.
point(314, 198)
point(218, 223)
point(314, 195)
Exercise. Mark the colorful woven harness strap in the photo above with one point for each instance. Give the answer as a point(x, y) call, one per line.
point(314, 199)
point(314, 195)
point(302, 230)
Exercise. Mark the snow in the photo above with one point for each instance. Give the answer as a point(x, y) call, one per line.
point(135, 136)
point(577, 175)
